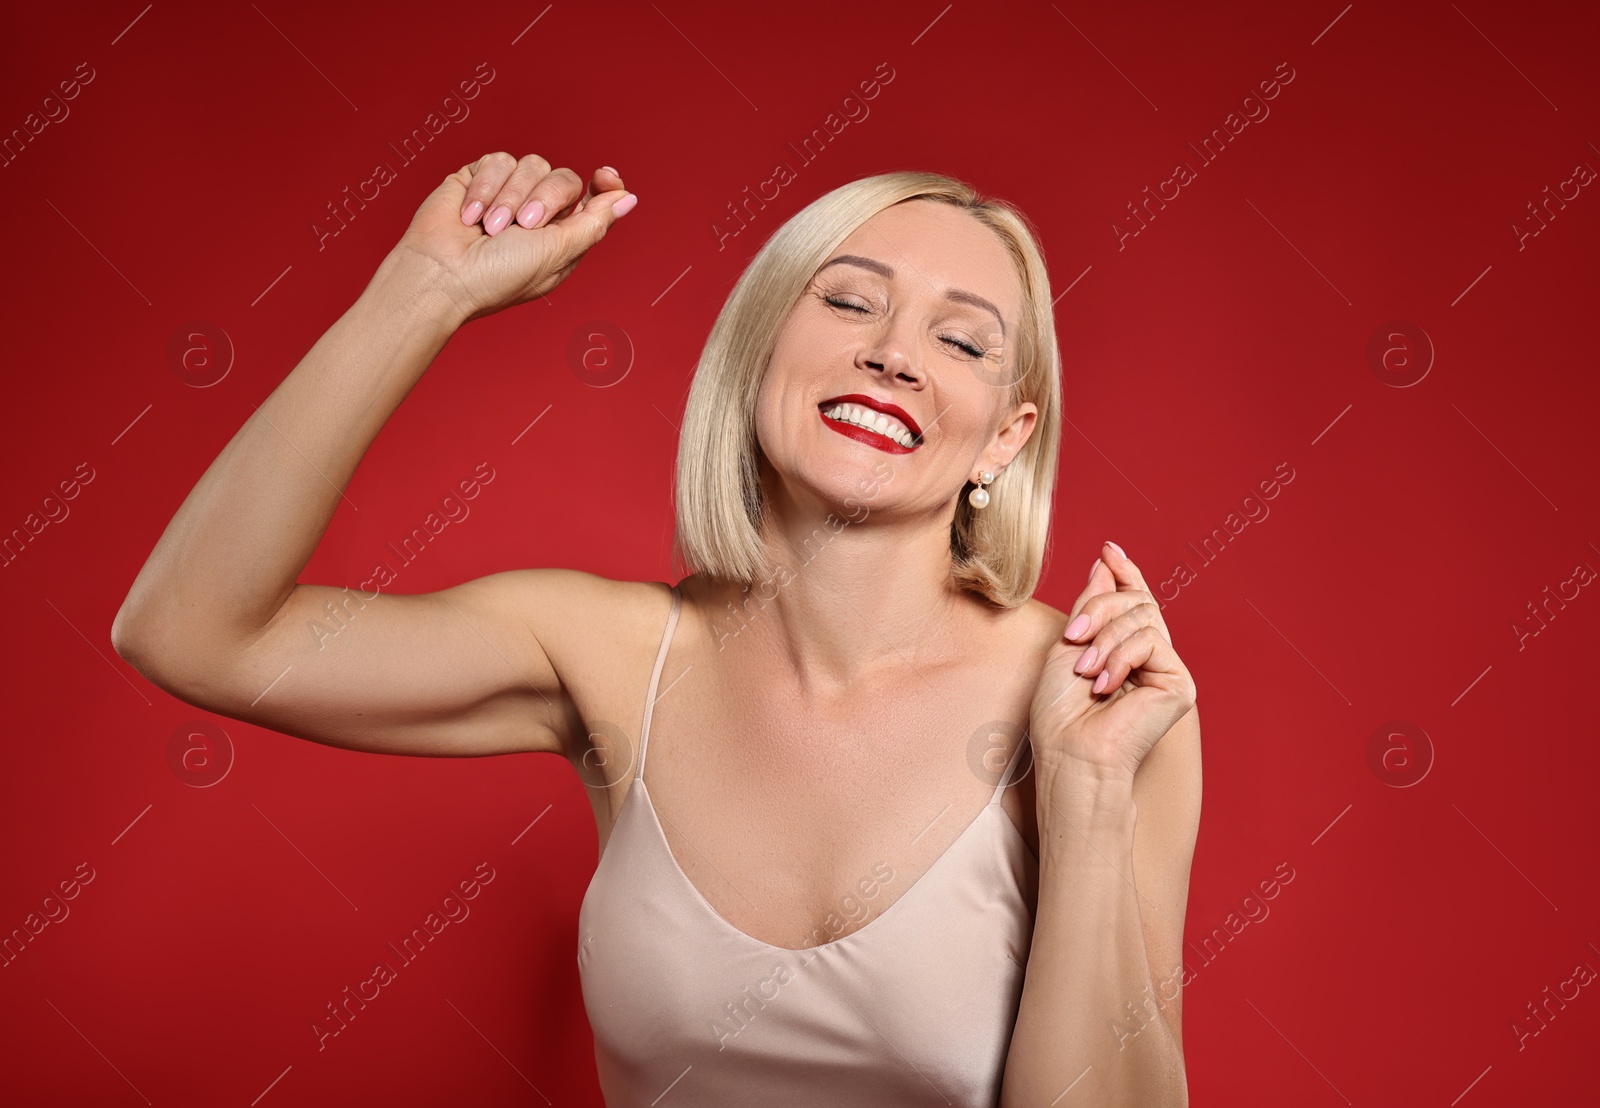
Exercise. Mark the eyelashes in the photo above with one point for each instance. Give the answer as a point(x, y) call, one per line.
point(966, 347)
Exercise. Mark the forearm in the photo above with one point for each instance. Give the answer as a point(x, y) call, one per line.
point(231, 554)
point(1084, 1019)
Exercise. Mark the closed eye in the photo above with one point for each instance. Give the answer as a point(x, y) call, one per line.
point(967, 347)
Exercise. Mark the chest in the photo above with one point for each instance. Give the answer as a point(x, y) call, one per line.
point(801, 819)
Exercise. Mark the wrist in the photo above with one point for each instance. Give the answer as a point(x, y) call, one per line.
point(1071, 782)
point(416, 286)
point(1086, 818)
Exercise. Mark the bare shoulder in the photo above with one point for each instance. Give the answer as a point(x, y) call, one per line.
point(592, 629)
point(574, 613)
point(1039, 624)
point(1042, 613)
point(581, 617)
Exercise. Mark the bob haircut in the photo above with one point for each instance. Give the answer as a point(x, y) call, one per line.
point(998, 552)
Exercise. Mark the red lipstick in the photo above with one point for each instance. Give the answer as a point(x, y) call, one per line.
point(861, 434)
point(878, 406)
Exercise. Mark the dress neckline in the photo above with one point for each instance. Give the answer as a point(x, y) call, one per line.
point(637, 784)
point(659, 835)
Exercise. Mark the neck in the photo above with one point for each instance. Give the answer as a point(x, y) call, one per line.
point(849, 600)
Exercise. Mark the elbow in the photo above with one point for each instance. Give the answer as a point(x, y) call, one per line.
point(137, 643)
point(134, 641)
point(130, 639)
point(123, 637)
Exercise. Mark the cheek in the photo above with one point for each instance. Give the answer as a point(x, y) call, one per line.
point(772, 431)
point(965, 426)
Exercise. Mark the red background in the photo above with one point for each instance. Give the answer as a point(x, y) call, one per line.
point(1228, 338)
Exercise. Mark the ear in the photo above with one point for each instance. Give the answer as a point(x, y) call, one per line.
point(1011, 438)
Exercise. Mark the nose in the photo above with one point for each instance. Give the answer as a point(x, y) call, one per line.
point(886, 357)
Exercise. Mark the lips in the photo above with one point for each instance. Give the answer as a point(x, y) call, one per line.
point(883, 406)
point(876, 423)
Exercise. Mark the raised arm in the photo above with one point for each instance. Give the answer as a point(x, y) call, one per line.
point(216, 616)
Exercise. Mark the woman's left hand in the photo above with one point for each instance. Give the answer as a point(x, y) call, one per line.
point(1109, 713)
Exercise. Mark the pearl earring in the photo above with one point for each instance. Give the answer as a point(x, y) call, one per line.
point(979, 497)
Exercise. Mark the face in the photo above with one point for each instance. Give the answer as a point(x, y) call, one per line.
point(906, 327)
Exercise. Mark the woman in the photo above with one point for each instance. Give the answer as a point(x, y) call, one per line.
point(827, 892)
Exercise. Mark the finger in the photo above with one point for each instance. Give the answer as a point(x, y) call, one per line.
point(488, 174)
point(605, 179)
point(1100, 580)
point(581, 230)
point(1061, 695)
point(1148, 657)
point(1094, 612)
point(512, 200)
point(1123, 571)
point(1115, 632)
point(548, 197)
point(1128, 577)
point(1153, 693)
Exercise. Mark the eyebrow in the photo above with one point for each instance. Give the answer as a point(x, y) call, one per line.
point(960, 296)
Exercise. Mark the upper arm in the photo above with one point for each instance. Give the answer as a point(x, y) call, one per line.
point(465, 671)
point(1166, 791)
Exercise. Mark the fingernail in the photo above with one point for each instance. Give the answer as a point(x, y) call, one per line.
point(532, 212)
point(1086, 661)
point(1078, 626)
point(470, 214)
point(1094, 565)
point(1100, 682)
point(624, 206)
point(614, 173)
point(1115, 547)
point(497, 219)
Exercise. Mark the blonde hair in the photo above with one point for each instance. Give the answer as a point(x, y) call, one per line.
point(998, 552)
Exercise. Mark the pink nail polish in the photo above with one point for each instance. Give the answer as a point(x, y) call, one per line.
point(1086, 661)
point(625, 205)
point(1115, 547)
point(1078, 626)
point(1100, 682)
point(532, 212)
point(1092, 567)
point(497, 219)
point(473, 210)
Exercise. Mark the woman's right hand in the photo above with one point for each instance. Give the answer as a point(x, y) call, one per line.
point(488, 232)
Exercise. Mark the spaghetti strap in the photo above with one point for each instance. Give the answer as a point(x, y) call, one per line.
point(938, 968)
point(655, 679)
point(1005, 778)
